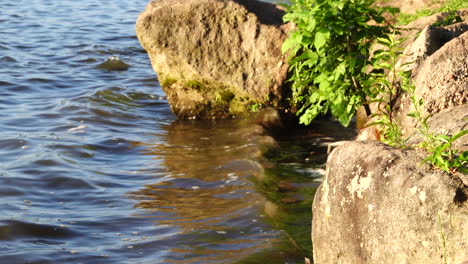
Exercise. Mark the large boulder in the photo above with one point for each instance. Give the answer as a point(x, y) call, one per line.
point(216, 58)
point(441, 81)
point(378, 204)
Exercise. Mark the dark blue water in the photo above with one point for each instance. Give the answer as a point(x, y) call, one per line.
point(94, 168)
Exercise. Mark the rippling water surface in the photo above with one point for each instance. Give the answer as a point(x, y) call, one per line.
point(94, 168)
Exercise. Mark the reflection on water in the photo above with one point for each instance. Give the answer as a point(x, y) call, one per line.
point(228, 203)
point(95, 169)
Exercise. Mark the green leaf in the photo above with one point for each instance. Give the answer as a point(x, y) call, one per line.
point(324, 86)
point(308, 116)
point(321, 78)
point(312, 58)
point(458, 135)
point(442, 138)
point(321, 37)
point(338, 29)
point(291, 42)
point(311, 24)
point(463, 157)
point(463, 170)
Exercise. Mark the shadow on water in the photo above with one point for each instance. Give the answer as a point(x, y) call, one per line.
point(233, 194)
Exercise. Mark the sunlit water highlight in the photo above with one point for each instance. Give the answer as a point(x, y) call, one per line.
point(94, 168)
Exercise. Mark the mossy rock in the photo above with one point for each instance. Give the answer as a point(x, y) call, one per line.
point(217, 59)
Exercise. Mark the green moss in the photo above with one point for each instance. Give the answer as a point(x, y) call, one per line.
point(451, 19)
point(168, 81)
point(220, 101)
point(255, 106)
point(194, 84)
point(224, 96)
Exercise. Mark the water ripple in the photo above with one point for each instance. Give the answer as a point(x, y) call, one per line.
point(94, 168)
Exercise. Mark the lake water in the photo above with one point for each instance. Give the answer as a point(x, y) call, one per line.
point(94, 168)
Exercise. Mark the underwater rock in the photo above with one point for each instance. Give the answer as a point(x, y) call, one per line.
point(113, 64)
point(216, 59)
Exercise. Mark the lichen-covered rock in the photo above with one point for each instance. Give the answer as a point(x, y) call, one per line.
point(379, 205)
point(215, 59)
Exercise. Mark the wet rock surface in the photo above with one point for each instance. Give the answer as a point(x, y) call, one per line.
point(216, 59)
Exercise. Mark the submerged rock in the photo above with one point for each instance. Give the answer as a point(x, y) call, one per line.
point(215, 59)
point(380, 205)
point(113, 64)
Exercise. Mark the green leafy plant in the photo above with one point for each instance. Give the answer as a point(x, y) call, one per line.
point(443, 156)
point(441, 153)
point(329, 55)
point(332, 69)
point(388, 81)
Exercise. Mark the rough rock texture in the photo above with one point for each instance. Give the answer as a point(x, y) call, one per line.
point(215, 58)
point(441, 81)
point(449, 122)
point(438, 61)
point(379, 205)
point(430, 39)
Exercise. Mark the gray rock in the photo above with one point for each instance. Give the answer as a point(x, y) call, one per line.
point(379, 205)
point(216, 59)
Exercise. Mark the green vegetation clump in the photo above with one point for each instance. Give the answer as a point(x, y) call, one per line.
point(332, 70)
point(330, 55)
point(441, 154)
point(388, 81)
